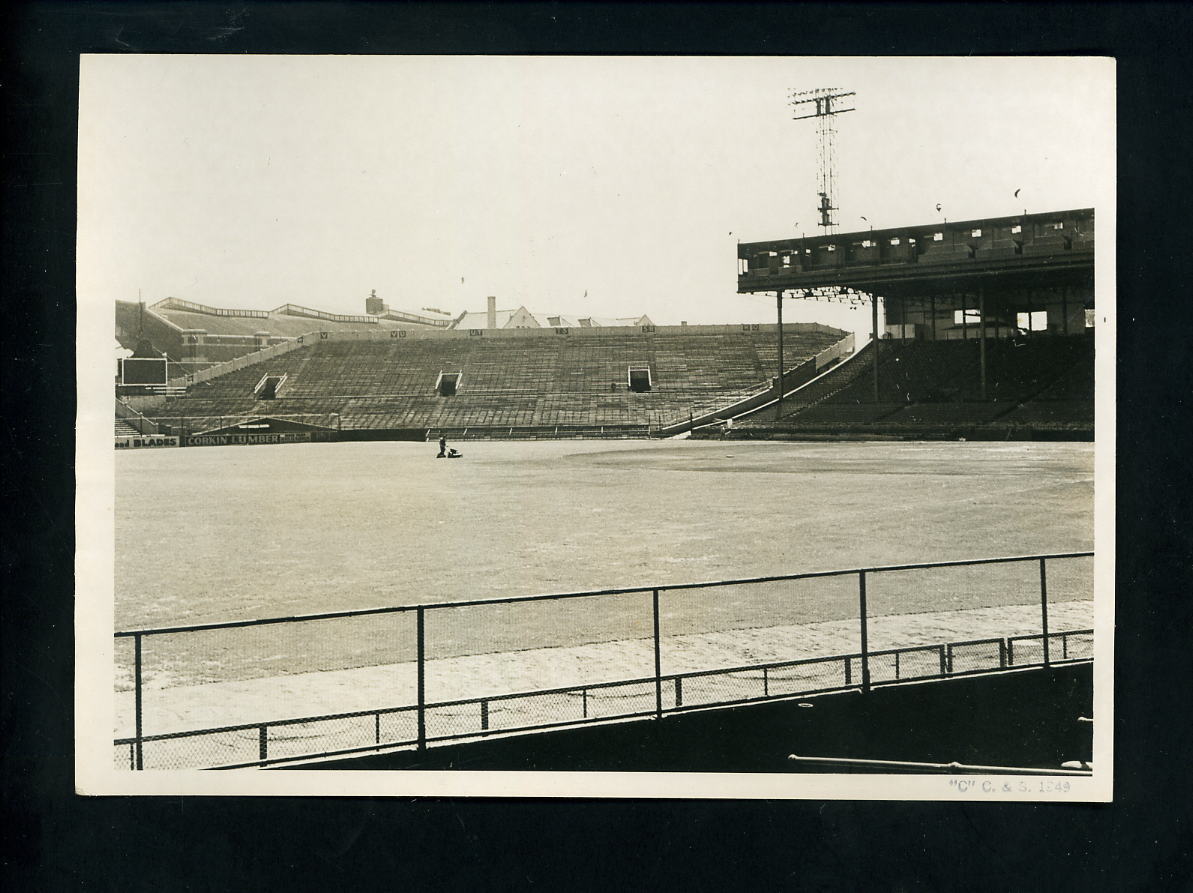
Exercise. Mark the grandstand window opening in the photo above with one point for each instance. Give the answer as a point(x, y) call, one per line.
point(1035, 321)
point(743, 266)
point(938, 237)
point(895, 240)
point(1016, 229)
point(968, 317)
point(448, 383)
point(975, 233)
point(639, 379)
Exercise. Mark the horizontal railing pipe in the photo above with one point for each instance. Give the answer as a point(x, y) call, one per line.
point(672, 587)
point(582, 691)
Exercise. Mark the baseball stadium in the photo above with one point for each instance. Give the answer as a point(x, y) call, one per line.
point(506, 539)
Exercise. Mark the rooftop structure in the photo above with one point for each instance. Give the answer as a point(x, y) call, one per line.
point(521, 318)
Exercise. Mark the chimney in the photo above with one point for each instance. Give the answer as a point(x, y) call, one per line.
point(492, 321)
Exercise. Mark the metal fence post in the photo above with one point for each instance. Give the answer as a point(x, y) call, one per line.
point(422, 680)
point(137, 697)
point(658, 658)
point(1044, 607)
point(263, 743)
point(861, 592)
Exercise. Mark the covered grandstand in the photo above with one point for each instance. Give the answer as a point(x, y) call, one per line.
point(1040, 388)
point(988, 329)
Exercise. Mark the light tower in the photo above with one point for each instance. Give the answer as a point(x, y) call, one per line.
point(823, 104)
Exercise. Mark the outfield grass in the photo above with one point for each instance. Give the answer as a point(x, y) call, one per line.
point(221, 533)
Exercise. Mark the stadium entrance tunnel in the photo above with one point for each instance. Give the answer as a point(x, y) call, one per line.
point(1030, 719)
point(639, 379)
point(267, 388)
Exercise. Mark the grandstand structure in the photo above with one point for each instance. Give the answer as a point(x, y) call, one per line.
point(988, 328)
point(196, 336)
point(988, 334)
point(492, 383)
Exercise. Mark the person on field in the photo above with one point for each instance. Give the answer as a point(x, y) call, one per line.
point(442, 447)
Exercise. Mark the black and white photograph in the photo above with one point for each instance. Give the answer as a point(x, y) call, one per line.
point(596, 426)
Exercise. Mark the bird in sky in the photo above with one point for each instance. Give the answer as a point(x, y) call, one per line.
point(1017, 193)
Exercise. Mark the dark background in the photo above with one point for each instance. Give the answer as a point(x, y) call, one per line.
point(54, 840)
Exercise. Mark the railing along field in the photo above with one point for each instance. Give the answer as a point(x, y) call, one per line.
point(634, 623)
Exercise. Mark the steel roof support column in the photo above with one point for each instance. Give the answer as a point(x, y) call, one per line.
point(779, 380)
point(982, 335)
point(876, 339)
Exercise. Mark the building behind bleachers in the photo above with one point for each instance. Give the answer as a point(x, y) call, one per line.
point(196, 336)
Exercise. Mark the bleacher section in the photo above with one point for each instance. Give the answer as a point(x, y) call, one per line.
point(1043, 383)
point(539, 384)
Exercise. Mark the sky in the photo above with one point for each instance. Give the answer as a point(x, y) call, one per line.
point(584, 186)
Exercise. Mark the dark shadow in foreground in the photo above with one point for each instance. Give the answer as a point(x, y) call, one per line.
point(1030, 719)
